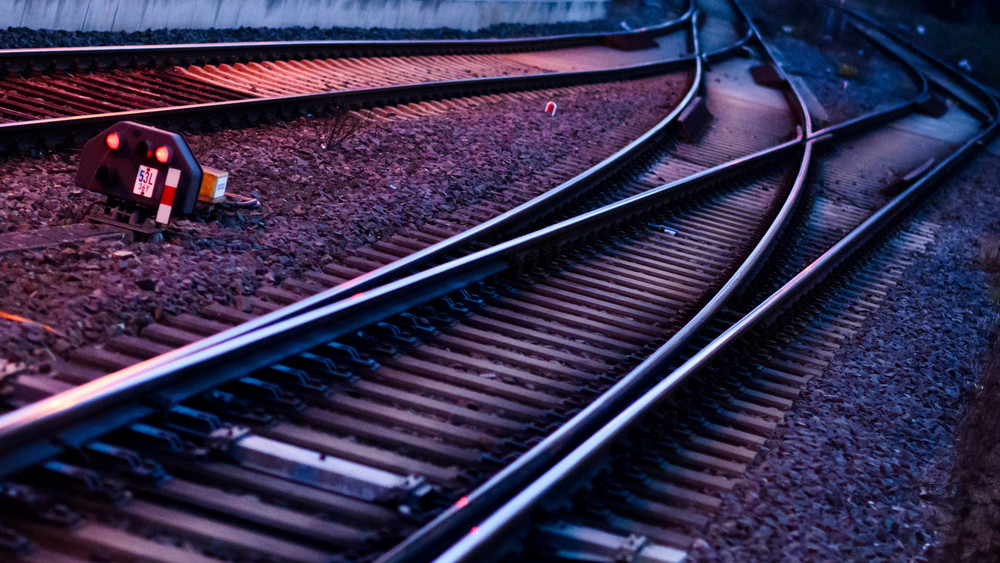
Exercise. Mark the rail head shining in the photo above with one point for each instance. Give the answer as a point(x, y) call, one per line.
point(85, 412)
point(20, 60)
point(433, 537)
point(526, 213)
point(488, 539)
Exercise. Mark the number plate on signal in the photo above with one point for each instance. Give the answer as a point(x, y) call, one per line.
point(145, 181)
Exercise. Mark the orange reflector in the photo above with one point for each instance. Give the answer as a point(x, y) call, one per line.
point(113, 141)
point(162, 155)
point(462, 502)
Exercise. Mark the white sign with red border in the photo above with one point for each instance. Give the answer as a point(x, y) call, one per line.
point(166, 206)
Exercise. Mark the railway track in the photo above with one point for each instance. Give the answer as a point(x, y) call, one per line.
point(537, 361)
point(734, 133)
point(722, 142)
point(83, 90)
point(514, 370)
point(462, 382)
point(645, 485)
point(90, 363)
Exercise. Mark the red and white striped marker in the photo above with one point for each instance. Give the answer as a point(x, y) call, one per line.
point(551, 108)
point(167, 198)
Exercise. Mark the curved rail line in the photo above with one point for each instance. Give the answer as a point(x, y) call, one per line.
point(294, 361)
point(176, 335)
point(535, 381)
point(637, 208)
point(533, 210)
point(358, 297)
point(406, 261)
point(585, 191)
point(686, 441)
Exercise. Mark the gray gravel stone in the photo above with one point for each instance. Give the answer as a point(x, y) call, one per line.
point(319, 205)
point(874, 434)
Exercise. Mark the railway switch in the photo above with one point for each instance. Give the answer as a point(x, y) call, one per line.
point(149, 173)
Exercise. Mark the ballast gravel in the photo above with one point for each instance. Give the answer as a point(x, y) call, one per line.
point(861, 467)
point(321, 200)
point(845, 73)
point(879, 83)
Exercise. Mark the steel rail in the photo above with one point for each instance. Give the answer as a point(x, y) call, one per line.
point(897, 110)
point(58, 413)
point(20, 60)
point(43, 447)
point(492, 230)
point(864, 121)
point(72, 438)
point(596, 220)
point(427, 542)
point(64, 128)
point(726, 52)
point(490, 536)
point(84, 412)
point(81, 413)
point(526, 213)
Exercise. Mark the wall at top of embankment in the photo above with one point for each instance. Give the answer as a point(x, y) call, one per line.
point(139, 15)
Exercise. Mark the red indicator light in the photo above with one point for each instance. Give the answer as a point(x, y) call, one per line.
point(462, 502)
point(113, 141)
point(163, 155)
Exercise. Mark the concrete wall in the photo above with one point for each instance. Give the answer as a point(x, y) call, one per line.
point(138, 15)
